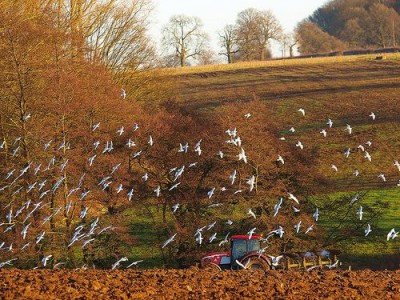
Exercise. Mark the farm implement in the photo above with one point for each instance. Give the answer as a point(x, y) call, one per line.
point(246, 253)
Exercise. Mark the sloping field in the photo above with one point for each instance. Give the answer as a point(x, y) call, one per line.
point(198, 284)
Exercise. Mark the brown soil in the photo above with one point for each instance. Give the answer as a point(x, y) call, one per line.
point(198, 284)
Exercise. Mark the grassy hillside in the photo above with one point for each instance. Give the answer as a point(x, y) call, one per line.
point(343, 89)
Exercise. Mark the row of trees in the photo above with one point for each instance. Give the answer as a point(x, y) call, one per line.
point(248, 39)
point(340, 25)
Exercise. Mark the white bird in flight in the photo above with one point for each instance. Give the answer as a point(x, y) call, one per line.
point(372, 115)
point(367, 230)
point(302, 111)
point(169, 240)
point(251, 213)
point(293, 197)
point(280, 159)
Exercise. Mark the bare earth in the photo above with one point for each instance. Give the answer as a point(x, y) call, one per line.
point(198, 284)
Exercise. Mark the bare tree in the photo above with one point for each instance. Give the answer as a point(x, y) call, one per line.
point(288, 42)
point(254, 31)
point(228, 41)
point(185, 37)
point(112, 32)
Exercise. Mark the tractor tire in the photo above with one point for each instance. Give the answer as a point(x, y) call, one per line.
point(255, 263)
point(212, 267)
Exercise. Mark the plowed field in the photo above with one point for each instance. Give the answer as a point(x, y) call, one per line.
point(198, 284)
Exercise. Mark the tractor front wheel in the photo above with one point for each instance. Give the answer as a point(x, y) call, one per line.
point(210, 266)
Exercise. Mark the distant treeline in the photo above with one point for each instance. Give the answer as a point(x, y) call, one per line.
point(354, 24)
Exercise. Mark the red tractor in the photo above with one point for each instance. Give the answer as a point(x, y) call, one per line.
point(245, 252)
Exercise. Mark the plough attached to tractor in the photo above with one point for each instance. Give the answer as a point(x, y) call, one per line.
point(246, 253)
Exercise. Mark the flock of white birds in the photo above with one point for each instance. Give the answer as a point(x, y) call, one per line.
point(17, 218)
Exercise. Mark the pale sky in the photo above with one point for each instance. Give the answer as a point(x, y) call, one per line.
point(215, 14)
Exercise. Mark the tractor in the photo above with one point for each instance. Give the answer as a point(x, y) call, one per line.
point(246, 252)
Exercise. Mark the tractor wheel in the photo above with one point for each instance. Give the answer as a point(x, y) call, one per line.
point(255, 263)
point(212, 267)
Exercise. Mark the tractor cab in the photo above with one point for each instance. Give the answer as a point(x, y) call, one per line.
point(243, 249)
point(242, 246)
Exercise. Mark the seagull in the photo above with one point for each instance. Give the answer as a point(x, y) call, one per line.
point(368, 143)
point(372, 115)
point(291, 129)
point(135, 263)
point(309, 229)
point(329, 123)
point(130, 143)
point(175, 207)
point(183, 148)
point(397, 164)
point(121, 130)
point(243, 266)
point(123, 94)
point(295, 209)
point(347, 153)
point(25, 231)
point(354, 199)
point(229, 222)
point(213, 237)
point(169, 240)
point(248, 115)
point(96, 144)
point(278, 206)
point(297, 226)
point(251, 232)
point(334, 265)
point(95, 126)
point(251, 182)
point(316, 214)
point(251, 213)
point(91, 160)
point(130, 194)
point(135, 126)
point(174, 186)
point(293, 197)
point(303, 112)
point(356, 172)
point(280, 159)
point(361, 147)
point(118, 262)
point(198, 150)
point(334, 167)
point(157, 191)
point(367, 230)
point(120, 188)
point(46, 259)
point(349, 129)
point(242, 156)
point(199, 238)
point(83, 212)
point(275, 260)
point(220, 154)
point(392, 234)
point(367, 156)
point(382, 176)
point(87, 242)
point(210, 193)
point(300, 145)
point(224, 241)
point(145, 177)
point(150, 141)
point(323, 132)
point(360, 212)
point(232, 177)
point(211, 225)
